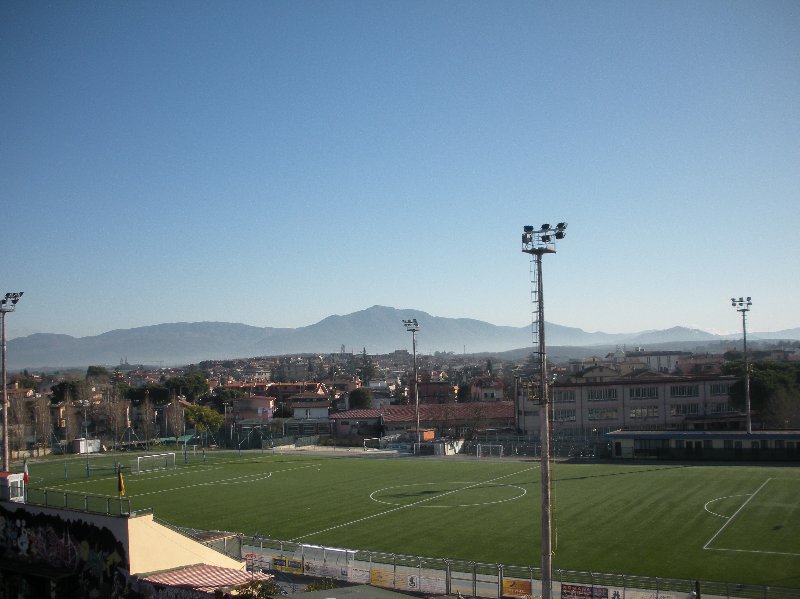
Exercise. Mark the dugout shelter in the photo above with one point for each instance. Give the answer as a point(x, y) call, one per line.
point(768, 446)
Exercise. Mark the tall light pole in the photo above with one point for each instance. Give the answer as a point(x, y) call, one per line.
point(537, 243)
point(413, 326)
point(5, 308)
point(743, 305)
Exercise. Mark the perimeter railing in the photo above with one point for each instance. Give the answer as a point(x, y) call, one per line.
point(475, 579)
point(96, 504)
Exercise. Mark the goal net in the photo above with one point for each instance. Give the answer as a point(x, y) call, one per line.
point(485, 450)
point(158, 461)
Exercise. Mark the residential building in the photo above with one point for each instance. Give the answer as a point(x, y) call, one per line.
point(644, 401)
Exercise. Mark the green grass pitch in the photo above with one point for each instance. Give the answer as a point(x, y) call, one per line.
point(738, 524)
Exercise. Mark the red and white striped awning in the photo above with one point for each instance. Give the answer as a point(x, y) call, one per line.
point(205, 578)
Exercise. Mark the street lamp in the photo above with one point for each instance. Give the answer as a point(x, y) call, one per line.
point(743, 305)
point(413, 326)
point(537, 243)
point(5, 308)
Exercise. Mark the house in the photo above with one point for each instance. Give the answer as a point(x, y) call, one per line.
point(308, 418)
point(487, 389)
point(452, 419)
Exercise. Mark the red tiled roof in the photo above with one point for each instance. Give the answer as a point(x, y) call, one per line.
point(365, 414)
point(448, 411)
point(205, 578)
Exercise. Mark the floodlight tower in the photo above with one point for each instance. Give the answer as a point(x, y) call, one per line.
point(743, 305)
point(5, 308)
point(538, 243)
point(413, 326)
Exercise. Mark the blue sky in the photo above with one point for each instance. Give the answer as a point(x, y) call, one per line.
point(273, 163)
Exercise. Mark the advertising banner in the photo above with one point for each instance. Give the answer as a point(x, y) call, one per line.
point(516, 587)
point(578, 591)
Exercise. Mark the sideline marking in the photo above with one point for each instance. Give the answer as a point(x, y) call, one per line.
point(402, 507)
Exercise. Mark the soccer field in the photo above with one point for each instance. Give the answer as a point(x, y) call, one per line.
point(738, 524)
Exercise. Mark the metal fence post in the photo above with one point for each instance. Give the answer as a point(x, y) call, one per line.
point(499, 581)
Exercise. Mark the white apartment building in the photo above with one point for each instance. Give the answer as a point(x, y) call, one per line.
point(649, 401)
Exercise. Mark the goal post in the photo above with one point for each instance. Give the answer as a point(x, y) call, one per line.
point(486, 450)
point(157, 461)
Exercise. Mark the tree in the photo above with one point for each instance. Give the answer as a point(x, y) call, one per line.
point(174, 418)
point(114, 411)
point(224, 396)
point(367, 368)
point(464, 394)
point(42, 421)
point(99, 373)
point(259, 589)
point(193, 386)
point(72, 389)
point(204, 419)
point(147, 415)
point(774, 391)
point(360, 398)
point(321, 584)
point(70, 416)
point(19, 419)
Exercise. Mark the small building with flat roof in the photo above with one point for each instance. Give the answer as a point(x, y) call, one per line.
point(731, 445)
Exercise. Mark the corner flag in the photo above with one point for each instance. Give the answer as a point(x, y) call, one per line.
point(25, 472)
point(120, 483)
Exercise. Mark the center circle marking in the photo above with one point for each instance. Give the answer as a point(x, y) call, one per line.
point(374, 496)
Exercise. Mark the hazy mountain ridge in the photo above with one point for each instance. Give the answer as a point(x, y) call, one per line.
point(378, 329)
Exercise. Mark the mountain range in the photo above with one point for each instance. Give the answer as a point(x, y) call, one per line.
point(378, 330)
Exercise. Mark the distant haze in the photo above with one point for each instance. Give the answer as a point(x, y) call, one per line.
point(377, 330)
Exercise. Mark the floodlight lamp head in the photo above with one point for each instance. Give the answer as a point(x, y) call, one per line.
point(546, 238)
point(545, 227)
point(528, 228)
point(561, 226)
point(560, 234)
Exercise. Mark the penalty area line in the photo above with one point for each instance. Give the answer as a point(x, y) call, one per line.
point(733, 516)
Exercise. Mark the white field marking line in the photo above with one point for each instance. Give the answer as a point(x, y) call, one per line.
point(151, 475)
point(736, 513)
point(402, 507)
point(247, 478)
point(226, 481)
point(154, 474)
point(705, 507)
point(524, 492)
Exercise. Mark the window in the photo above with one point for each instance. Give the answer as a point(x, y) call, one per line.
point(564, 415)
point(720, 388)
point(684, 391)
point(601, 394)
point(644, 412)
point(644, 393)
point(602, 413)
point(720, 407)
point(684, 409)
point(564, 395)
